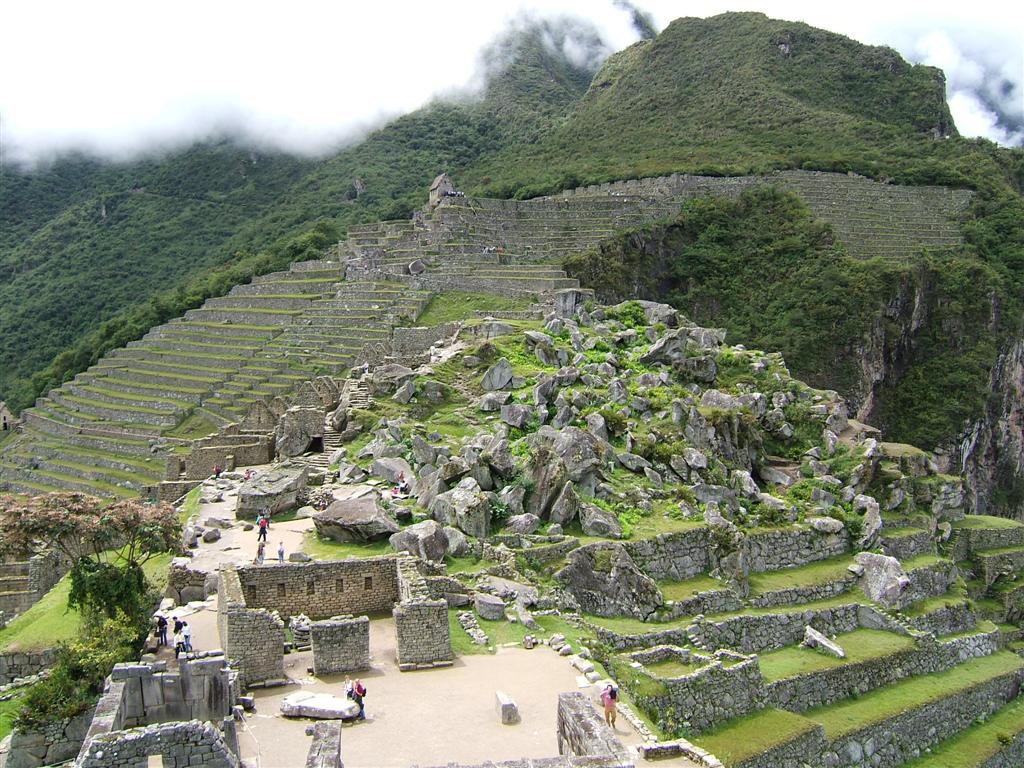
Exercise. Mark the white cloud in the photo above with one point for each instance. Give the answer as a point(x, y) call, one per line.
point(122, 77)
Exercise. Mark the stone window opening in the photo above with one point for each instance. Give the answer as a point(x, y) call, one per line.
point(310, 587)
point(367, 583)
point(339, 587)
point(280, 590)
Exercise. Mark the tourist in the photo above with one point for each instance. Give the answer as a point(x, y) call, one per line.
point(358, 694)
point(179, 643)
point(186, 635)
point(264, 525)
point(280, 553)
point(178, 624)
point(403, 484)
point(609, 697)
point(260, 553)
point(217, 469)
point(161, 630)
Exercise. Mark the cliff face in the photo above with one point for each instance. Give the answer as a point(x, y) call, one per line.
point(990, 453)
point(887, 347)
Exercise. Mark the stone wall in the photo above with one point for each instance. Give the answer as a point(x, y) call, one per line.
point(1010, 755)
point(726, 685)
point(181, 745)
point(253, 638)
point(968, 540)
point(928, 581)
point(955, 617)
point(766, 632)
point(203, 688)
point(322, 589)
point(582, 732)
point(412, 345)
point(922, 727)
point(185, 583)
point(673, 556)
point(421, 623)
point(772, 550)
point(620, 641)
point(52, 744)
point(16, 664)
point(797, 751)
point(228, 451)
point(340, 644)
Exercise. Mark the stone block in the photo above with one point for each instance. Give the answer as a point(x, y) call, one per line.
point(506, 708)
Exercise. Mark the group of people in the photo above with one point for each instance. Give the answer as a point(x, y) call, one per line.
point(262, 528)
point(357, 692)
point(182, 634)
point(401, 488)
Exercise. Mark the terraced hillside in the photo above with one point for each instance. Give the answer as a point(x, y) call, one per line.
point(109, 430)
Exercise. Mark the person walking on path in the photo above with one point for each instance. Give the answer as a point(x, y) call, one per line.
point(609, 697)
point(186, 635)
point(178, 624)
point(161, 630)
point(264, 526)
point(260, 553)
point(280, 553)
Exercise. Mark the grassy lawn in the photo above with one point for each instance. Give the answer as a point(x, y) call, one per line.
point(747, 736)
point(851, 715)
point(671, 668)
point(192, 428)
point(320, 548)
point(191, 505)
point(832, 602)
point(820, 572)
point(922, 561)
point(683, 590)
point(467, 564)
point(860, 645)
point(986, 521)
point(456, 305)
point(626, 625)
point(501, 632)
point(50, 621)
point(972, 747)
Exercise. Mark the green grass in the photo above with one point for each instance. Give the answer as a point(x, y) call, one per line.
point(671, 668)
point(320, 548)
point(50, 621)
point(860, 645)
point(467, 564)
point(457, 305)
point(972, 747)
point(922, 561)
point(854, 714)
point(502, 632)
point(683, 590)
point(742, 738)
point(191, 505)
point(816, 573)
point(8, 710)
point(987, 522)
point(194, 427)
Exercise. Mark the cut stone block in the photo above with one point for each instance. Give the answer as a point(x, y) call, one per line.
point(506, 708)
point(321, 706)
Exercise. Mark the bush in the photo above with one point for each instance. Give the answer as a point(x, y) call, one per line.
point(76, 680)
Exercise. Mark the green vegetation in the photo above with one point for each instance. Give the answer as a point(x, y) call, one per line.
point(860, 645)
point(456, 305)
point(853, 714)
point(8, 711)
point(51, 621)
point(986, 522)
point(194, 427)
point(502, 632)
point(819, 572)
point(671, 668)
point(745, 737)
point(682, 590)
point(319, 548)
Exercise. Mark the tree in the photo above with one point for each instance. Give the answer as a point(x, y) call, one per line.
point(105, 545)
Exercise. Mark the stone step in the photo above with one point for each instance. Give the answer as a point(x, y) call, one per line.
point(121, 446)
point(94, 391)
point(165, 389)
point(154, 378)
point(263, 302)
point(183, 361)
point(180, 325)
point(90, 467)
point(47, 479)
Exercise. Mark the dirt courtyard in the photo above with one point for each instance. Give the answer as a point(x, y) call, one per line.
point(425, 718)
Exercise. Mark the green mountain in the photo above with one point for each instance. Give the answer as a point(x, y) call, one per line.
point(92, 255)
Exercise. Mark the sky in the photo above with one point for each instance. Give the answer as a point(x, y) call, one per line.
point(119, 79)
